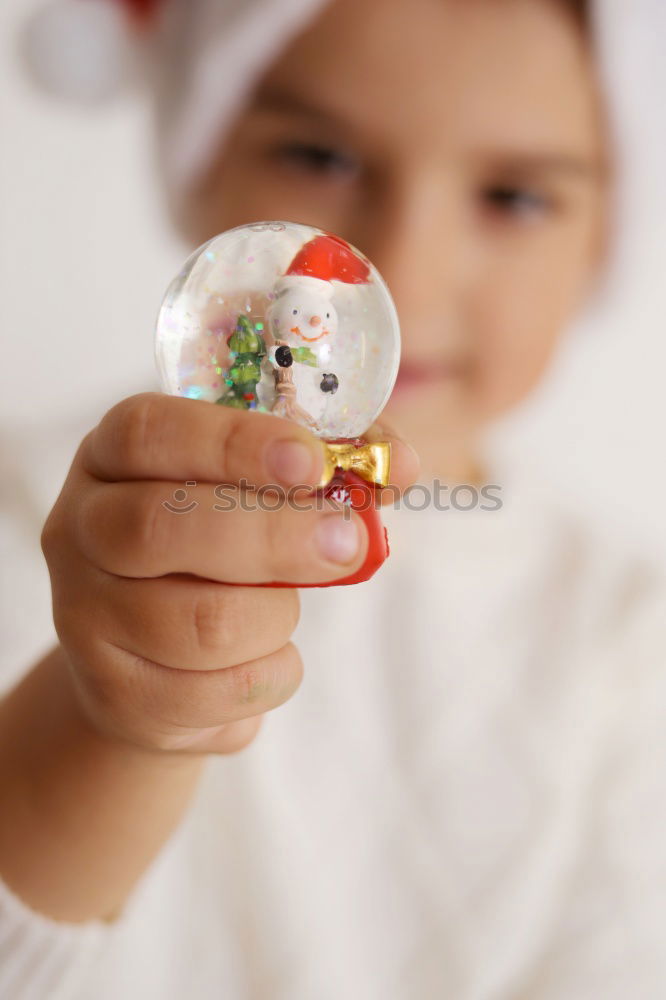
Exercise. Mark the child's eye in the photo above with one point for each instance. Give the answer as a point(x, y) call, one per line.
point(512, 200)
point(318, 159)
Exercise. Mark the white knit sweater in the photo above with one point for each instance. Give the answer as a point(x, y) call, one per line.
point(464, 799)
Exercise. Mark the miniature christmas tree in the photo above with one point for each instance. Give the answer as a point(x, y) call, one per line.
point(247, 349)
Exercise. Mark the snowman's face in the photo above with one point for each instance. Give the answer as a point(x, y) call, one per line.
point(306, 314)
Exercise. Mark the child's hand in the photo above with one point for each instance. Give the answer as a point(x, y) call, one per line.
point(164, 653)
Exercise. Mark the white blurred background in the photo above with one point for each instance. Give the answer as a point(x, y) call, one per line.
point(87, 254)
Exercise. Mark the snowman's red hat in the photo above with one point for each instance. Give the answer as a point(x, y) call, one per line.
point(320, 262)
point(329, 258)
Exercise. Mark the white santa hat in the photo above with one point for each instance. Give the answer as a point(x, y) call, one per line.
point(200, 58)
point(197, 58)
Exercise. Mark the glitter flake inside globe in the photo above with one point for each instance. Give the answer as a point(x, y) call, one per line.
point(282, 318)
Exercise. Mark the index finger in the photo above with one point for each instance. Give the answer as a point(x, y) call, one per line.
point(155, 436)
point(160, 437)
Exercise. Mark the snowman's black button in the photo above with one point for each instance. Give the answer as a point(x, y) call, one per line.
point(329, 383)
point(283, 357)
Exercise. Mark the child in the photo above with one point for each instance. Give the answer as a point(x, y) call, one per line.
point(458, 803)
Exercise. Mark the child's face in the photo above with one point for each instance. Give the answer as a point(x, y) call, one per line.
point(459, 144)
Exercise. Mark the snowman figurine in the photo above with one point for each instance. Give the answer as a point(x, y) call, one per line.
point(303, 323)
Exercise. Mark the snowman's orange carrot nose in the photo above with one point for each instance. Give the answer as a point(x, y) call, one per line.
point(315, 320)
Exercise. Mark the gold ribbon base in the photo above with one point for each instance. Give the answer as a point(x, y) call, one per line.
point(371, 462)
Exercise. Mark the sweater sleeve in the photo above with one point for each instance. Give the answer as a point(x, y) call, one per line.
point(608, 937)
point(41, 957)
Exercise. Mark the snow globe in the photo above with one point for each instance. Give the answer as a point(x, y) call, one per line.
point(283, 318)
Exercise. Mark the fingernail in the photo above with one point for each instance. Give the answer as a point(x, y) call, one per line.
point(291, 462)
point(337, 538)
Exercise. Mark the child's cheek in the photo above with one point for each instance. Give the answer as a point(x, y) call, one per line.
point(509, 372)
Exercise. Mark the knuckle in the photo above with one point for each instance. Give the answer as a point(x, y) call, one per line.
point(236, 449)
point(271, 680)
point(225, 621)
point(138, 429)
point(250, 684)
point(89, 526)
point(50, 537)
point(227, 443)
point(60, 529)
point(212, 622)
point(82, 458)
point(148, 531)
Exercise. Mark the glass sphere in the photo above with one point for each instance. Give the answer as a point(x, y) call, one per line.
point(286, 319)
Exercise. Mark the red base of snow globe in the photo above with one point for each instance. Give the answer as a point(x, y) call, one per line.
point(355, 482)
point(348, 488)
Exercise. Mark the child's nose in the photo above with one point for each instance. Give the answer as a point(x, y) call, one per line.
point(315, 320)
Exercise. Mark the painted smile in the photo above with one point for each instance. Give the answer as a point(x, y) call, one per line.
point(310, 340)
